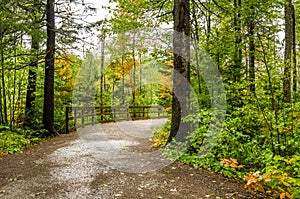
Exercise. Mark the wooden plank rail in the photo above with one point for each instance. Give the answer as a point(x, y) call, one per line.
point(77, 117)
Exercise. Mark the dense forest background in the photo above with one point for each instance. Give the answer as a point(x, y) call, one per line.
point(253, 43)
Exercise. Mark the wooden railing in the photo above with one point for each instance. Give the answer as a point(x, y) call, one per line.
point(77, 117)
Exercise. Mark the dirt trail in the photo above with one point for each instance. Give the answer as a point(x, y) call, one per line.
point(109, 161)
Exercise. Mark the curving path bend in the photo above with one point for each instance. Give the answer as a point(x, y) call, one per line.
point(109, 161)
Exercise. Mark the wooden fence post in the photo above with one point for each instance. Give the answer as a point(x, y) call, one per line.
point(127, 115)
point(93, 116)
point(82, 117)
point(158, 110)
point(114, 109)
point(75, 118)
point(101, 113)
point(67, 119)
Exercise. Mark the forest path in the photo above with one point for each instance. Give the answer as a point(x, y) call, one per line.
point(109, 161)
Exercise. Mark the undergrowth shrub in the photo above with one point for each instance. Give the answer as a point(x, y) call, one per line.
point(16, 140)
point(255, 145)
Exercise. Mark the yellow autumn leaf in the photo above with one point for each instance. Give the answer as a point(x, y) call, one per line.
point(275, 171)
point(286, 184)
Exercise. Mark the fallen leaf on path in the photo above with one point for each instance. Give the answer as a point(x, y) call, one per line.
point(119, 194)
point(40, 193)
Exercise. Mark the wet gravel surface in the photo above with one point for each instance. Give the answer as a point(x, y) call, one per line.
point(109, 161)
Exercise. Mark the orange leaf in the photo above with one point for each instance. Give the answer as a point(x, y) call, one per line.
point(234, 160)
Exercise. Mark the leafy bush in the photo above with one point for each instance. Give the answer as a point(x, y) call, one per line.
point(255, 145)
point(283, 175)
point(15, 141)
point(161, 135)
point(12, 143)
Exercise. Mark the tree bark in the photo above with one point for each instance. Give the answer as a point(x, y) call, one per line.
point(238, 40)
point(48, 113)
point(31, 87)
point(4, 115)
point(196, 39)
point(288, 51)
point(252, 50)
point(181, 48)
point(134, 72)
point(294, 51)
point(102, 85)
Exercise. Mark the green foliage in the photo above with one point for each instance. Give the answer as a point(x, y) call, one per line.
point(283, 174)
point(161, 135)
point(247, 139)
point(17, 140)
point(67, 67)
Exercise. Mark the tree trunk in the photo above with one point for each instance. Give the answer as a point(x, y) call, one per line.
point(181, 48)
point(13, 101)
point(102, 76)
point(31, 87)
point(208, 27)
point(252, 50)
point(123, 81)
point(141, 73)
point(238, 41)
point(4, 116)
point(196, 39)
point(288, 51)
point(134, 72)
point(2, 63)
point(48, 113)
point(294, 51)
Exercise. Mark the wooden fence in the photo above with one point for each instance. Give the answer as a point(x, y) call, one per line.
point(77, 117)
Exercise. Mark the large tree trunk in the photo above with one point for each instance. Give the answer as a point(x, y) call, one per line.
point(48, 114)
point(31, 87)
point(181, 48)
point(288, 51)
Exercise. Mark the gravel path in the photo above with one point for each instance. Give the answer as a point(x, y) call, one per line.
point(109, 161)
